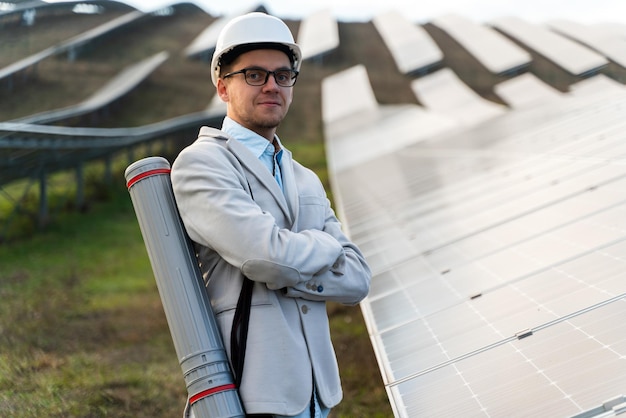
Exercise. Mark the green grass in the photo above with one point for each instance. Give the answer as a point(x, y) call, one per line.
point(83, 332)
point(82, 329)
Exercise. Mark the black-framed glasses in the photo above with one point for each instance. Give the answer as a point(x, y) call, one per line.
point(259, 76)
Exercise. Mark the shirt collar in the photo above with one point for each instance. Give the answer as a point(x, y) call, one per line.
point(253, 141)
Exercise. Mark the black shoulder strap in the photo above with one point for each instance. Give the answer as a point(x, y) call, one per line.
point(239, 330)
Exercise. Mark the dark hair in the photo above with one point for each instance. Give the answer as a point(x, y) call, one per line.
point(229, 57)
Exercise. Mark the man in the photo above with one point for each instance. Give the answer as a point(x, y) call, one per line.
point(253, 211)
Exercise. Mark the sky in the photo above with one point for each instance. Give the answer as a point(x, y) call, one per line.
point(420, 11)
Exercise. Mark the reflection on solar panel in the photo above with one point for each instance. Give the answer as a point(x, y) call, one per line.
point(442, 91)
point(358, 129)
point(493, 50)
point(318, 34)
point(410, 45)
point(569, 55)
point(205, 42)
point(603, 40)
point(499, 260)
point(596, 86)
point(615, 28)
point(346, 94)
point(526, 90)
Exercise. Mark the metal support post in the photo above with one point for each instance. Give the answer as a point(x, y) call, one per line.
point(43, 199)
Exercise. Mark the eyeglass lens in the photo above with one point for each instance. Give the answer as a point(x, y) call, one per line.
point(258, 77)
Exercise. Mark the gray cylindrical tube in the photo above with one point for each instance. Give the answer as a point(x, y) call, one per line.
point(194, 331)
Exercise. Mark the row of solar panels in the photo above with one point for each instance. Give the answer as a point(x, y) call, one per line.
point(578, 49)
point(318, 35)
point(448, 104)
point(411, 47)
point(73, 45)
point(32, 151)
point(496, 234)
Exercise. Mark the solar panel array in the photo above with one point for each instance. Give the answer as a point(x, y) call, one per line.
point(573, 57)
point(493, 50)
point(203, 44)
point(497, 235)
point(125, 81)
point(498, 247)
point(600, 38)
point(499, 260)
point(73, 45)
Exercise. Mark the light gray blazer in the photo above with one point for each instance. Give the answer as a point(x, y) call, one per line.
point(291, 245)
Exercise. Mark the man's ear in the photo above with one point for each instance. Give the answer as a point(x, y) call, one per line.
point(221, 90)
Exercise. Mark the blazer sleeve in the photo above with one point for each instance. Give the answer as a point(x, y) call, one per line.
point(211, 192)
point(347, 281)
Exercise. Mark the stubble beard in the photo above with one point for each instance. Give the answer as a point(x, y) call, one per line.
point(265, 122)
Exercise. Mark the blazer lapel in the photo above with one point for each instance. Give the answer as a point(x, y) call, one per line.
point(289, 184)
point(247, 159)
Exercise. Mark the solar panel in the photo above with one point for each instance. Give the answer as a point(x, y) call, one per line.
point(318, 34)
point(493, 50)
point(601, 39)
point(597, 85)
point(443, 92)
point(204, 43)
point(349, 106)
point(499, 260)
point(615, 28)
point(347, 93)
point(526, 90)
point(569, 55)
point(117, 87)
point(411, 47)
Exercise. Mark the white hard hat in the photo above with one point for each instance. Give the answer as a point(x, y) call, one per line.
point(257, 31)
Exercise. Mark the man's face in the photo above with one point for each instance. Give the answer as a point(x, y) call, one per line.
point(258, 108)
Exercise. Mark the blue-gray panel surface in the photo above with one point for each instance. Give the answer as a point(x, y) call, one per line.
point(499, 260)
